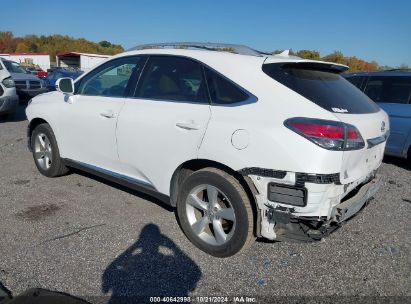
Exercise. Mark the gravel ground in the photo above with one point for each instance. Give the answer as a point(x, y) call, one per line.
point(89, 238)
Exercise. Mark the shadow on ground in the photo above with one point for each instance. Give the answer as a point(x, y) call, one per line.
point(396, 161)
point(153, 266)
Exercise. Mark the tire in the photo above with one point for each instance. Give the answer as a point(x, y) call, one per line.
point(221, 225)
point(46, 153)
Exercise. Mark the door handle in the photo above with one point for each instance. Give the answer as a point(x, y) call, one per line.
point(108, 114)
point(188, 125)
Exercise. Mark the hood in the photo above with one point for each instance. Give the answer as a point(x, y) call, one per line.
point(22, 76)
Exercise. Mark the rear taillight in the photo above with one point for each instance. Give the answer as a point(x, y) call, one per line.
point(328, 134)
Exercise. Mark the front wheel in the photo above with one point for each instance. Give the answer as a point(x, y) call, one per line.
point(46, 152)
point(215, 213)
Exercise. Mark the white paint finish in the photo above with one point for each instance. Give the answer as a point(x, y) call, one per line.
point(86, 134)
point(151, 145)
point(359, 163)
point(153, 138)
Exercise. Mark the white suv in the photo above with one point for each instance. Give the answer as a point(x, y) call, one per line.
point(243, 144)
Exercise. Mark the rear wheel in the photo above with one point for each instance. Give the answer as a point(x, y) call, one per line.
point(46, 152)
point(215, 213)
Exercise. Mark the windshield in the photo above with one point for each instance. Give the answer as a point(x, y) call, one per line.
point(324, 87)
point(13, 67)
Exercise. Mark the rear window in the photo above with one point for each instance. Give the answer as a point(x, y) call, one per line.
point(391, 89)
point(324, 87)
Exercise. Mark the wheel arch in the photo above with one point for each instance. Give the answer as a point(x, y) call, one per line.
point(188, 167)
point(32, 125)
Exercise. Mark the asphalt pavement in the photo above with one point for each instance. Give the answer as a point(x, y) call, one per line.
point(92, 239)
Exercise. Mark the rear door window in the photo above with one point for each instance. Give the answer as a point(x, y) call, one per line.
point(389, 89)
point(324, 87)
point(171, 78)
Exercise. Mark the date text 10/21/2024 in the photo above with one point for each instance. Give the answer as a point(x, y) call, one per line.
point(203, 299)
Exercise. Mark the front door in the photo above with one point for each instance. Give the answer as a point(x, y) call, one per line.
point(89, 118)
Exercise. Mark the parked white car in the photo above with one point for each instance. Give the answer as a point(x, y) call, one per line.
point(243, 144)
point(8, 96)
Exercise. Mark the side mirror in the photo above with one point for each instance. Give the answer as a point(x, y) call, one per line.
point(65, 85)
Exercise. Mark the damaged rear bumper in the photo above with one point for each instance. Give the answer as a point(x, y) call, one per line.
point(280, 222)
point(351, 206)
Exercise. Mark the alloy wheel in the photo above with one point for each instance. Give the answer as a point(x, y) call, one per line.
point(210, 214)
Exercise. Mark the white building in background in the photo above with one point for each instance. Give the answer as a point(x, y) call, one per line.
point(30, 59)
point(81, 61)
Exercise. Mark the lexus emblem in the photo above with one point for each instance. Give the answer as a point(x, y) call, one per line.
point(382, 126)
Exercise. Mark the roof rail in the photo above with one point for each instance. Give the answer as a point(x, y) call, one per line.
point(232, 48)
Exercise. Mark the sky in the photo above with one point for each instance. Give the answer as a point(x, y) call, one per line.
point(372, 30)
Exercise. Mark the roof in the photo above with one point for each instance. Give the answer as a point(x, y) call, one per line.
point(74, 54)
point(216, 57)
point(381, 73)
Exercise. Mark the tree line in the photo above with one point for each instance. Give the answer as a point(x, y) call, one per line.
point(55, 44)
point(356, 64)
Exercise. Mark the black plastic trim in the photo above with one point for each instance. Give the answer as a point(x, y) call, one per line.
point(302, 178)
point(118, 179)
point(372, 142)
point(263, 172)
point(297, 187)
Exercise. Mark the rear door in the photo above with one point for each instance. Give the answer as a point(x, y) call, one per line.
point(393, 94)
point(164, 124)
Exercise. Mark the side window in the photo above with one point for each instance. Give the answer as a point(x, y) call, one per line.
point(374, 88)
point(394, 89)
point(356, 80)
point(223, 91)
point(112, 78)
point(399, 90)
point(172, 78)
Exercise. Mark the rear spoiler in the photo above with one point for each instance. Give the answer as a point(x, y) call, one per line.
point(311, 65)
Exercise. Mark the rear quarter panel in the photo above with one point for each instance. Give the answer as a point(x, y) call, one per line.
point(270, 144)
